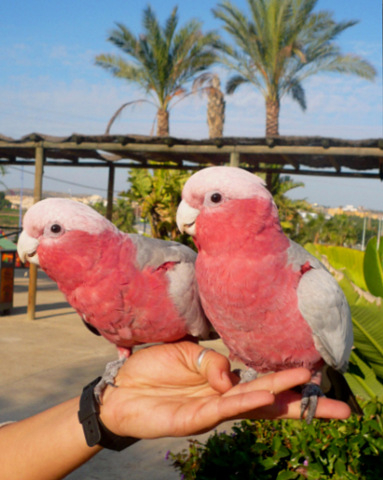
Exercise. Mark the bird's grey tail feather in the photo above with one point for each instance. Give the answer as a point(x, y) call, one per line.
point(338, 389)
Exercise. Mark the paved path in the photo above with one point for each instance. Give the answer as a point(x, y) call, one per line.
point(49, 360)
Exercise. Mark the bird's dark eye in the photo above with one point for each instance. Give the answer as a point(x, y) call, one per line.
point(216, 197)
point(55, 228)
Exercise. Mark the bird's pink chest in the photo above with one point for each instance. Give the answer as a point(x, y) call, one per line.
point(253, 304)
point(130, 308)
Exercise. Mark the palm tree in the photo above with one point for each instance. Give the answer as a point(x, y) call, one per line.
point(280, 44)
point(162, 59)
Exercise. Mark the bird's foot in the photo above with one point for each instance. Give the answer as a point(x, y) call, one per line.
point(310, 394)
point(246, 375)
point(108, 378)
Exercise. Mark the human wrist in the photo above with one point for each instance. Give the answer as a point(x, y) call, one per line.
point(95, 430)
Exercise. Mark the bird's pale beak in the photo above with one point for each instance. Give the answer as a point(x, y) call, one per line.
point(27, 248)
point(186, 217)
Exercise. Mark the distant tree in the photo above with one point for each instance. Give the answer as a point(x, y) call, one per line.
point(4, 203)
point(339, 230)
point(311, 230)
point(161, 60)
point(123, 214)
point(290, 211)
point(280, 44)
point(158, 194)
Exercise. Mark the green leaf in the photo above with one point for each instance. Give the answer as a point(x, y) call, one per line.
point(362, 379)
point(340, 467)
point(367, 318)
point(286, 475)
point(269, 462)
point(373, 267)
point(347, 260)
point(314, 471)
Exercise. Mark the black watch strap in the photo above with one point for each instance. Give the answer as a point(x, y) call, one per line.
point(95, 431)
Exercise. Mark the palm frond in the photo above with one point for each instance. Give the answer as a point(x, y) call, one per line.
point(171, 25)
point(123, 38)
point(234, 82)
point(117, 113)
point(298, 94)
point(120, 68)
point(351, 64)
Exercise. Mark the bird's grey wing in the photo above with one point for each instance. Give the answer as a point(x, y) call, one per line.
point(153, 252)
point(324, 306)
point(183, 288)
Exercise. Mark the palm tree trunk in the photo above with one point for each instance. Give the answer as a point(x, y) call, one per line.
point(215, 109)
point(272, 117)
point(162, 123)
point(272, 130)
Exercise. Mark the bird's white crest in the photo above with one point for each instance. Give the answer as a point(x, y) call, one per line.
point(73, 215)
point(234, 182)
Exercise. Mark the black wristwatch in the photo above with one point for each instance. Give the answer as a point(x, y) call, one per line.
point(95, 431)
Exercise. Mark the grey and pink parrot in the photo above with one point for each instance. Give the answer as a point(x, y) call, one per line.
point(274, 305)
point(128, 288)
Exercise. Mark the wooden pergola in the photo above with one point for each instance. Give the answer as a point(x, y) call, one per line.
point(318, 156)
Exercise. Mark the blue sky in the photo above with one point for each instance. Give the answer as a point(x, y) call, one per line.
point(49, 84)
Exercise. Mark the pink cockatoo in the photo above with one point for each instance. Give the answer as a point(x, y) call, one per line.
point(274, 305)
point(130, 289)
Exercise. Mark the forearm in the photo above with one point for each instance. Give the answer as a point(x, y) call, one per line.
point(46, 446)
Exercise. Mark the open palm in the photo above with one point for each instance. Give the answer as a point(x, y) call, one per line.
point(163, 392)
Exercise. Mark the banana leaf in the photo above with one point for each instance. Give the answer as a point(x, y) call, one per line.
point(367, 319)
point(362, 379)
point(346, 260)
point(373, 267)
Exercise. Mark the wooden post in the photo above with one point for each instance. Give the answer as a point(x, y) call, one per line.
point(37, 194)
point(109, 205)
point(234, 159)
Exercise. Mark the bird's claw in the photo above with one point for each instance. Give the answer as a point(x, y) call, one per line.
point(108, 377)
point(246, 375)
point(310, 394)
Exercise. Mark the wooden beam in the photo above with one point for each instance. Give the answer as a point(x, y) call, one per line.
point(316, 173)
point(37, 194)
point(153, 147)
point(213, 149)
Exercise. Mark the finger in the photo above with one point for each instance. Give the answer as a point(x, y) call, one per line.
point(215, 368)
point(232, 407)
point(288, 405)
point(329, 408)
point(275, 382)
point(326, 408)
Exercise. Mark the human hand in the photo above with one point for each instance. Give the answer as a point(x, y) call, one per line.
point(162, 391)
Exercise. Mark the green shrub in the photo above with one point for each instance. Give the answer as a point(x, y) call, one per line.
point(290, 449)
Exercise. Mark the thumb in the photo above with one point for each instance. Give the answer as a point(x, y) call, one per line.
point(215, 368)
